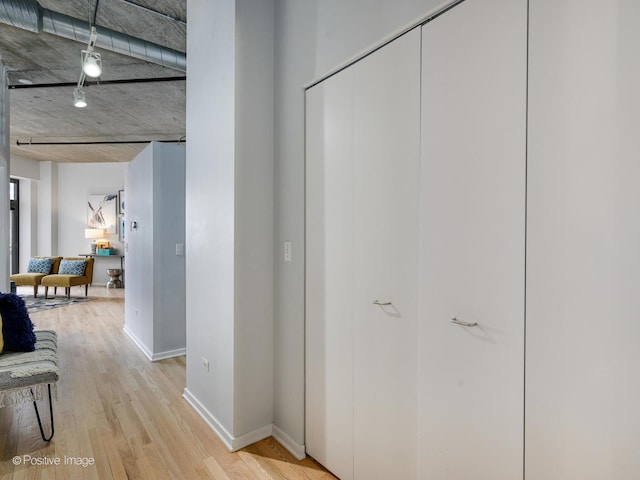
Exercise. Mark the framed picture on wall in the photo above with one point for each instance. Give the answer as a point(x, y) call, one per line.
point(121, 202)
point(101, 212)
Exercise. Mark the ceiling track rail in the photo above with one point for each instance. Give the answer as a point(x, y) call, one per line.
point(97, 83)
point(98, 142)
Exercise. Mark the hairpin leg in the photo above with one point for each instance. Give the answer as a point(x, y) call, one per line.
point(35, 405)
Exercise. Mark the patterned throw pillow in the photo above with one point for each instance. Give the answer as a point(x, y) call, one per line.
point(72, 267)
point(40, 265)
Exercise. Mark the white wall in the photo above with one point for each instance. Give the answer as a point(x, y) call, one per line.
point(582, 241)
point(75, 181)
point(169, 225)
point(254, 215)
point(25, 168)
point(312, 38)
point(210, 192)
point(155, 306)
point(229, 216)
point(140, 266)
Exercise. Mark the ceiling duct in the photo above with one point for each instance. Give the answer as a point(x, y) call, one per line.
point(25, 14)
point(29, 15)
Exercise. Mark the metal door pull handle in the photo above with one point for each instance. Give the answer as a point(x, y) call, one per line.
point(464, 324)
point(377, 302)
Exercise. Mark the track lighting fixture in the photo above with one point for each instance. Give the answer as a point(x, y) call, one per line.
point(79, 98)
point(91, 67)
point(91, 64)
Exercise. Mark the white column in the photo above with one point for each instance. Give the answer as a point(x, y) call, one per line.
point(229, 216)
point(4, 179)
point(48, 209)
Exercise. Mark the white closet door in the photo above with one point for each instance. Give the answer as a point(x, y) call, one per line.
point(363, 154)
point(472, 242)
point(387, 159)
point(583, 295)
point(329, 273)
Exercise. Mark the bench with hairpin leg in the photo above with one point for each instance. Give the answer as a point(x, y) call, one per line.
point(30, 376)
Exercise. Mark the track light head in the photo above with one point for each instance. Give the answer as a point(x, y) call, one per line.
point(91, 67)
point(92, 64)
point(79, 98)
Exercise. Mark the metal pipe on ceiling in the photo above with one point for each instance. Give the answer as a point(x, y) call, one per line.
point(97, 83)
point(25, 14)
point(98, 142)
point(29, 15)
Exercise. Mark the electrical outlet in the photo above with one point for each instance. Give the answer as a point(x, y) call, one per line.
point(205, 364)
point(179, 249)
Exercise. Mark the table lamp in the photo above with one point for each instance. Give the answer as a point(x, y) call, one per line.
point(94, 234)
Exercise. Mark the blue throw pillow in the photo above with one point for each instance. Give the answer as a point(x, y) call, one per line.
point(72, 267)
point(17, 328)
point(40, 265)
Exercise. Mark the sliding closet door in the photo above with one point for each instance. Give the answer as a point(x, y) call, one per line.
point(329, 273)
point(472, 242)
point(387, 159)
point(583, 295)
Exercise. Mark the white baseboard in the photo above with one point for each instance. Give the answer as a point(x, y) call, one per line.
point(168, 354)
point(237, 443)
point(154, 357)
point(143, 348)
point(252, 437)
point(287, 442)
point(210, 420)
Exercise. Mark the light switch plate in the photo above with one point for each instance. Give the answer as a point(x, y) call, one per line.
point(287, 251)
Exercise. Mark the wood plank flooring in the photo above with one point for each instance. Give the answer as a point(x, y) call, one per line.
point(125, 415)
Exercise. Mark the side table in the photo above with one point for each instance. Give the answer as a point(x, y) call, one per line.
point(114, 278)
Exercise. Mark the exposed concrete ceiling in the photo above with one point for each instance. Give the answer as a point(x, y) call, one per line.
point(116, 112)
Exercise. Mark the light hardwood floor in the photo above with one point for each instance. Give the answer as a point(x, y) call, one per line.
point(125, 413)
